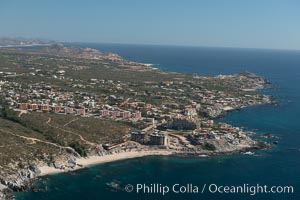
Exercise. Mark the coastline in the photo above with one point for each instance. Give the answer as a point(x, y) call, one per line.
point(94, 160)
point(84, 162)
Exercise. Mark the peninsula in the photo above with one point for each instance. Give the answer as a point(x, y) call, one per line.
point(63, 108)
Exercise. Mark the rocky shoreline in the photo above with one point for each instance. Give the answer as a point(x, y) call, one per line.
point(25, 178)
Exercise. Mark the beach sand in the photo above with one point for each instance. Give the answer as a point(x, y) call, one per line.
point(93, 160)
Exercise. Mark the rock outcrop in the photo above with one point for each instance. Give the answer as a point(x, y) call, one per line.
point(20, 180)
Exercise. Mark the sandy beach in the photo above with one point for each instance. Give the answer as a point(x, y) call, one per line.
point(93, 160)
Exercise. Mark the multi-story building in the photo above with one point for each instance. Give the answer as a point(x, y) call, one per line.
point(140, 137)
point(44, 107)
point(69, 110)
point(104, 113)
point(137, 115)
point(149, 138)
point(23, 106)
point(33, 106)
point(158, 139)
point(125, 114)
point(56, 109)
point(80, 111)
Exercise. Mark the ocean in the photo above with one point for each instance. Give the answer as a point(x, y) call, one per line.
point(278, 166)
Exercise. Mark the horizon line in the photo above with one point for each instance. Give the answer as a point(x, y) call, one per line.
point(151, 44)
point(179, 45)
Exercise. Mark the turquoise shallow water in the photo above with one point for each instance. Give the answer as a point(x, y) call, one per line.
point(278, 166)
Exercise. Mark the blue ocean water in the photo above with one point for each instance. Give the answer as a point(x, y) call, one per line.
point(278, 166)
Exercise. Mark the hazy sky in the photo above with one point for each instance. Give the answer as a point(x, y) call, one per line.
point(231, 23)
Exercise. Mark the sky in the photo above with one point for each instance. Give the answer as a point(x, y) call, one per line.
point(272, 24)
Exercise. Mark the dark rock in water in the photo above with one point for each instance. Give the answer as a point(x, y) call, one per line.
point(35, 189)
point(98, 177)
point(72, 173)
point(114, 185)
point(262, 145)
point(275, 142)
point(268, 135)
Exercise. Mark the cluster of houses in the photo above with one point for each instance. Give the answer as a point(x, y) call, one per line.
point(112, 113)
point(118, 113)
point(211, 130)
point(42, 97)
point(49, 108)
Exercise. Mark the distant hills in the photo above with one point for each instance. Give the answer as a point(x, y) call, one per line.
point(78, 52)
point(55, 48)
point(11, 42)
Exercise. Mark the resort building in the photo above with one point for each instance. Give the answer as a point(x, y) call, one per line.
point(140, 137)
point(23, 106)
point(33, 107)
point(69, 110)
point(44, 107)
point(158, 139)
point(80, 111)
point(149, 138)
point(56, 109)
